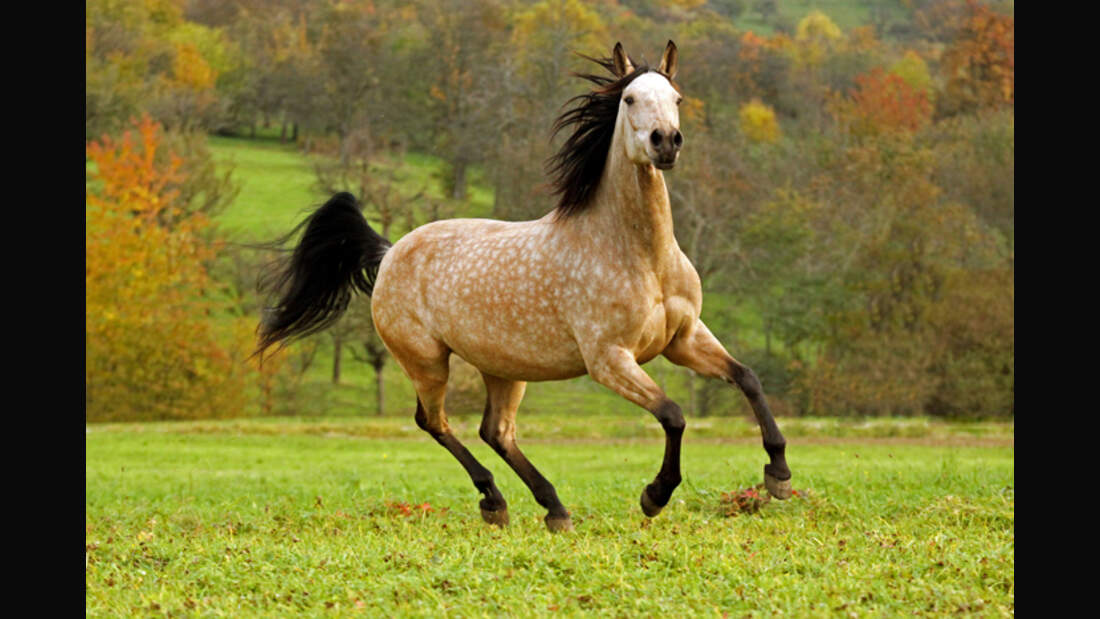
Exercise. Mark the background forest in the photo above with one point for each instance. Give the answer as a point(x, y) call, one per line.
point(845, 190)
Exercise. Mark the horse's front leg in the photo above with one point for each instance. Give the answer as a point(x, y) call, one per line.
point(696, 348)
point(618, 370)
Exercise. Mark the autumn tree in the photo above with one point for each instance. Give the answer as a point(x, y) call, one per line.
point(153, 349)
point(144, 57)
point(540, 55)
point(882, 102)
point(463, 68)
point(979, 65)
point(758, 122)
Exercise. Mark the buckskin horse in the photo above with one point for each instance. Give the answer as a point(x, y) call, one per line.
point(597, 286)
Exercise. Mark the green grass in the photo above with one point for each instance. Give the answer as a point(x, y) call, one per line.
point(277, 186)
point(233, 523)
point(590, 426)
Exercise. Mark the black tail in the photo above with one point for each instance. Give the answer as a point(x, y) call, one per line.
point(338, 255)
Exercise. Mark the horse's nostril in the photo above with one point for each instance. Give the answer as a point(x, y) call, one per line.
point(655, 137)
point(678, 139)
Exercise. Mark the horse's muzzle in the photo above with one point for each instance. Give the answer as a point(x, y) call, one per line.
point(667, 147)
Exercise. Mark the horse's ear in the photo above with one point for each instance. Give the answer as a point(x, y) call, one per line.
point(621, 61)
point(670, 61)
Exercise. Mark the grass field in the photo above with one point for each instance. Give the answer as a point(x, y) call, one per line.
point(279, 186)
point(297, 517)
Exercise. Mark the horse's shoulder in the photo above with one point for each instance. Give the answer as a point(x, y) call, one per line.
point(682, 278)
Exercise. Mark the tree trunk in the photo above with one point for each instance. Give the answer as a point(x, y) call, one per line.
point(459, 190)
point(693, 399)
point(282, 134)
point(381, 386)
point(337, 349)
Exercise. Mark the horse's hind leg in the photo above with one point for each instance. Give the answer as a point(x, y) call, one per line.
point(430, 381)
point(699, 350)
point(498, 429)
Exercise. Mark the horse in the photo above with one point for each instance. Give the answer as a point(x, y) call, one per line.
point(597, 286)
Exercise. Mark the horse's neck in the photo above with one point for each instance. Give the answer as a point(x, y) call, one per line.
point(632, 207)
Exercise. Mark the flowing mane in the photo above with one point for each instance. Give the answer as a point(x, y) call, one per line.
point(576, 169)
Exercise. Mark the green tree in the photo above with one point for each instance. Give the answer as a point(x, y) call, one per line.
point(465, 77)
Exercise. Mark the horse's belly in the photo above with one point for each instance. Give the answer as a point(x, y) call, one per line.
point(506, 324)
point(516, 347)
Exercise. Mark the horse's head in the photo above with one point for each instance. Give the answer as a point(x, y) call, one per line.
point(649, 109)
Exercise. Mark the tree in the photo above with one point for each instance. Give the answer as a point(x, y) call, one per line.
point(883, 102)
point(816, 36)
point(980, 64)
point(463, 69)
point(536, 82)
point(367, 347)
point(758, 122)
point(348, 51)
point(144, 57)
point(152, 351)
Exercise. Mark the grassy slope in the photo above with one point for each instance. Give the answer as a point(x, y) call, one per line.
point(237, 525)
point(277, 186)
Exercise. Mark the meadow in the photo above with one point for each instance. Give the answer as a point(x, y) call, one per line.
point(347, 513)
point(294, 517)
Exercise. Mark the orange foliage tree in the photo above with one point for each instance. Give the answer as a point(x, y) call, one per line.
point(980, 65)
point(884, 102)
point(159, 345)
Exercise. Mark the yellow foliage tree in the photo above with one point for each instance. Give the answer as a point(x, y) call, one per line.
point(758, 122)
point(914, 71)
point(816, 35)
point(158, 345)
point(190, 70)
point(552, 24)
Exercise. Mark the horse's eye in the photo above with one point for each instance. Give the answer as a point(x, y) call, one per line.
point(629, 100)
point(679, 100)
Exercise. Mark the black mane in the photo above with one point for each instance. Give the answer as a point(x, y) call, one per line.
point(576, 169)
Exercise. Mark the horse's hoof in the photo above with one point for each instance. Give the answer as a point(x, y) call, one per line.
point(558, 523)
point(780, 489)
point(498, 517)
point(649, 508)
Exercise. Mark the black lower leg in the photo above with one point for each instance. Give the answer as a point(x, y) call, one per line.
point(774, 443)
point(540, 487)
point(482, 478)
point(660, 491)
